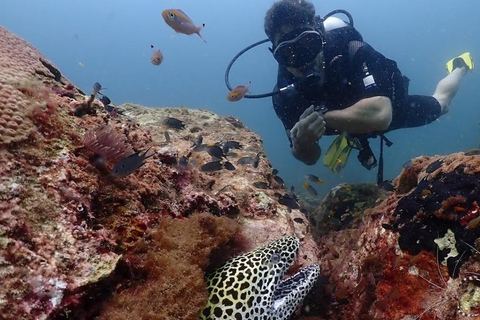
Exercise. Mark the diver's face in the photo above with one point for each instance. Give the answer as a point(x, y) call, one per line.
point(317, 65)
point(299, 49)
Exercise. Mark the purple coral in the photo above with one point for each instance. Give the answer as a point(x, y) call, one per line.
point(107, 143)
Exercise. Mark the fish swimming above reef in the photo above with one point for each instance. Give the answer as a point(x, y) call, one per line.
point(260, 184)
point(215, 152)
point(238, 92)
point(249, 160)
point(96, 88)
point(157, 57)
point(197, 143)
point(181, 23)
point(310, 190)
point(105, 100)
point(216, 166)
point(231, 144)
point(174, 123)
point(314, 178)
point(250, 286)
point(129, 164)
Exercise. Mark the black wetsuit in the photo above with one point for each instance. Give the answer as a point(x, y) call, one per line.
point(347, 61)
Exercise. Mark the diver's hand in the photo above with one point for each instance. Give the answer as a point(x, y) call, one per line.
point(308, 130)
point(305, 135)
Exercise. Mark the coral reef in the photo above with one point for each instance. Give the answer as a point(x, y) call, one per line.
point(72, 236)
point(415, 255)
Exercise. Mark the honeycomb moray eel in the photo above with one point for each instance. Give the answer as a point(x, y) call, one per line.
point(250, 286)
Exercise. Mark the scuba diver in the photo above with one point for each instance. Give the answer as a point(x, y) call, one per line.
point(344, 86)
point(330, 82)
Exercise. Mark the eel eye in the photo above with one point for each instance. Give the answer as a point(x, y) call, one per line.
point(274, 258)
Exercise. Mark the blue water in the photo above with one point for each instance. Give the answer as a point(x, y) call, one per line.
point(109, 41)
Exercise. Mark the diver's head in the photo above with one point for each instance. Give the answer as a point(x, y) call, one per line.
point(296, 35)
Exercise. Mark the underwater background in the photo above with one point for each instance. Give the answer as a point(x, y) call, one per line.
point(109, 41)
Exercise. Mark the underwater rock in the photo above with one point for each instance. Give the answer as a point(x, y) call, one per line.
point(342, 205)
point(72, 235)
point(416, 254)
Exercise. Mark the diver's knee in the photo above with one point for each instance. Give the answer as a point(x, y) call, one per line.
point(443, 101)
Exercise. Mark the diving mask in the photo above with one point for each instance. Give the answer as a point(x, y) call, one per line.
point(298, 48)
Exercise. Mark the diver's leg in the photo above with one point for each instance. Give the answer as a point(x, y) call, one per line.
point(448, 87)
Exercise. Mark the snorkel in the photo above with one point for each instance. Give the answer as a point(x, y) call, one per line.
point(312, 77)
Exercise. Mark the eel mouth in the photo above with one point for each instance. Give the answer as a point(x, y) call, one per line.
point(293, 290)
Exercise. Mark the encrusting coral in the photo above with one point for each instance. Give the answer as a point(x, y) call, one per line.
point(69, 230)
point(415, 254)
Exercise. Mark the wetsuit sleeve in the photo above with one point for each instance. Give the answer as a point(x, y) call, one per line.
point(289, 104)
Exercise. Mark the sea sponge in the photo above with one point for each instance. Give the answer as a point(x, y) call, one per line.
point(173, 259)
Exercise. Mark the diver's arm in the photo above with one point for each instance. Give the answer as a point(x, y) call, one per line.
point(367, 115)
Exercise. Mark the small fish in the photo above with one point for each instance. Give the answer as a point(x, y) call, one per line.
point(96, 88)
point(473, 152)
point(157, 57)
point(274, 172)
point(434, 165)
point(181, 23)
point(245, 160)
point(260, 184)
point(314, 178)
point(197, 143)
point(238, 92)
point(229, 166)
point(425, 193)
point(298, 220)
point(386, 185)
point(174, 123)
point(288, 201)
point(279, 180)
point(167, 136)
point(414, 259)
point(311, 190)
point(231, 154)
point(212, 166)
point(216, 152)
point(129, 164)
point(473, 223)
point(407, 164)
point(387, 226)
point(183, 162)
point(105, 101)
point(113, 110)
point(256, 160)
point(230, 144)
